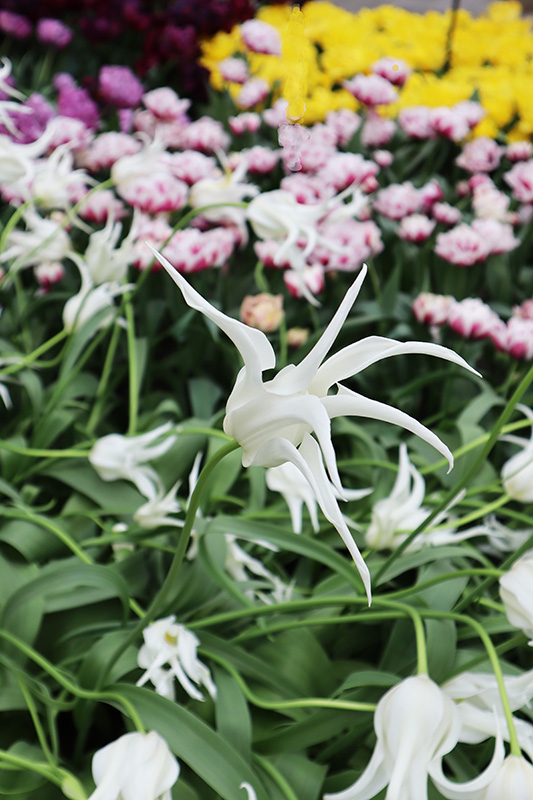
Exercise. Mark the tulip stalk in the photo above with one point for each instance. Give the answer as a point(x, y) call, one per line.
point(159, 600)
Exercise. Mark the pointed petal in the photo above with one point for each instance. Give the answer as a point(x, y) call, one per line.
point(373, 780)
point(471, 790)
point(299, 377)
point(347, 403)
point(253, 345)
point(308, 459)
point(356, 357)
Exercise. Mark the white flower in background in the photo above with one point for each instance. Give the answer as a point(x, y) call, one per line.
point(169, 644)
point(296, 491)
point(105, 262)
point(480, 706)
point(501, 539)
point(137, 766)
point(155, 512)
point(399, 514)
point(516, 592)
point(44, 239)
point(504, 779)
point(416, 724)
point(273, 420)
point(116, 457)
point(54, 182)
point(91, 299)
point(517, 472)
point(226, 189)
point(239, 564)
point(9, 105)
point(17, 160)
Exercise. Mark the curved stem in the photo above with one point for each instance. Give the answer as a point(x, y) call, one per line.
point(70, 686)
point(421, 650)
point(29, 358)
point(33, 452)
point(516, 750)
point(133, 366)
point(280, 705)
point(61, 777)
point(276, 776)
point(159, 600)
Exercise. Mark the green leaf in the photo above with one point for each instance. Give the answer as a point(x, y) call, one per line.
point(61, 586)
point(210, 756)
point(116, 497)
point(232, 714)
point(441, 642)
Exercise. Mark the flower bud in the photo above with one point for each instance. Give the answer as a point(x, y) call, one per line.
point(263, 311)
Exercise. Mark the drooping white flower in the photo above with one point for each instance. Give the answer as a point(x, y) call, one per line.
point(273, 421)
point(240, 565)
point(171, 645)
point(91, 299)
point(416, 724)
point(481, 710)
point(398, 515)
point(510, 778)
point(105, 262)
point(517, 472)
point(137, 766)
point(296, 491)
point(116, 457)
point(516, 592)
point(155, 512)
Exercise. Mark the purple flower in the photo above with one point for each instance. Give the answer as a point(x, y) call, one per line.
point(77, 103)
point(15, 25)
point(31, 126)
point(53, 32)
point(120, 87)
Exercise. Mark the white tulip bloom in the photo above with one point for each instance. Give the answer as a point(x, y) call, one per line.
point(516, 592)
point(116, 457)
point(238, 563)
point(167, 643)
point(273, 420)
point(398, 515)
point(517, 472)
point(225, 189)
point(416, 724)
point(43, 240)
point(481, 710)
point(91, 299)
point(105, 262)
point(154, 513)
point(504, 779)
point(54, 179)
point(137, 766)
point(296, 491)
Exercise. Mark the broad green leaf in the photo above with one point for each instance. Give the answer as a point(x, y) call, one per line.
point(441, 643)
point(368, 678)
point(408, 561)
point(32, 541)
point(232, 714)
point(304, 776)
point(116, 497)
point(61, 586)
point(210, 756)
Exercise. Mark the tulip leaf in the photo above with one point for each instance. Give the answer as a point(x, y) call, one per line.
point(66, 585)
point(209, 755)
point(232, 714)
point(408, 561)
point(441, 642)
point(117, 496)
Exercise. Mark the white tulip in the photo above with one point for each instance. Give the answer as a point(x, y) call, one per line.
point(154, 513)
point(116, 457)
point(416, 724)
point(517, 472)
point(273, 420)
point(481, 710)
point(508, 779)
point(167, 643)
point(43, 240)
point(137, 766)
point(516, 592)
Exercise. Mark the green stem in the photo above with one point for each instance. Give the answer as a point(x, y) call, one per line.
point(36, 722)
point(33, 452)
point(29, 358)
point(276, 776)
point(470, 474)
point(280, 705)
point(346, 619)
point(420, 637)
point(282, 343)
point(169, 583)
point(61, 777)
point(104, 379)
point(70, 686)
point(516, 750)
point(133, 367)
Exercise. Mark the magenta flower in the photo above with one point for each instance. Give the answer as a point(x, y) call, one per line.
point(119, 87)
point(53, 32)
point(15, 25)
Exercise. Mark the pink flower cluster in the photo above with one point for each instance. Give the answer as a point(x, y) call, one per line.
point(474, 319)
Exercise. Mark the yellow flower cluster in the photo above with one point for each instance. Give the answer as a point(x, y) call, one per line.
point(491, 55)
